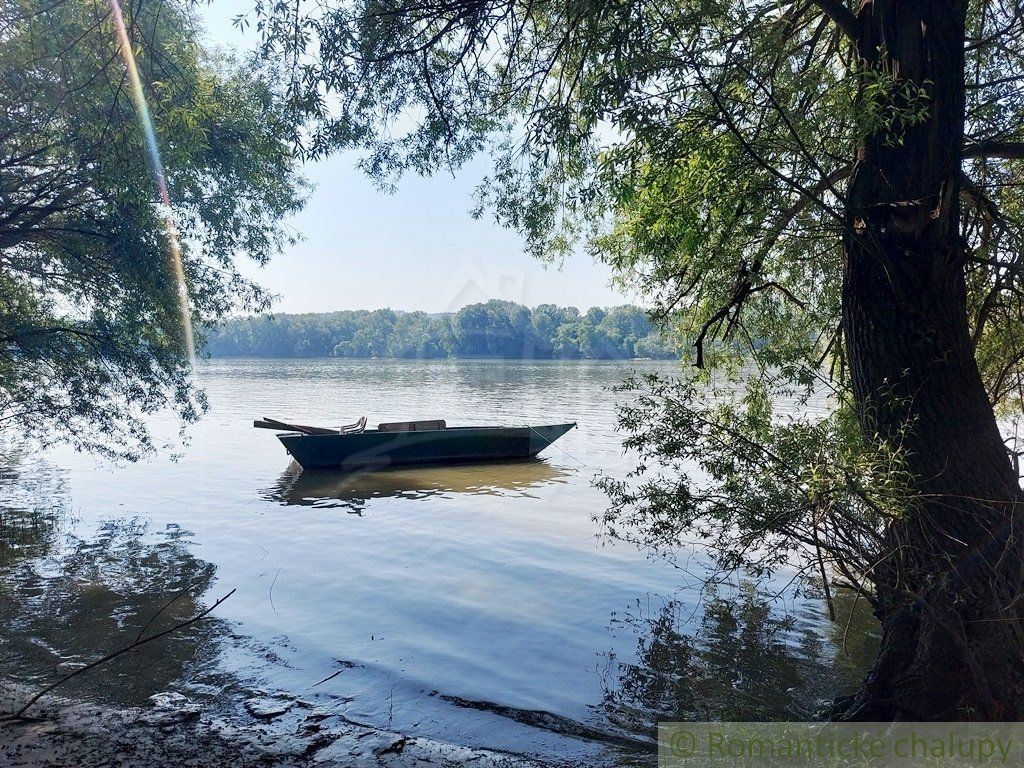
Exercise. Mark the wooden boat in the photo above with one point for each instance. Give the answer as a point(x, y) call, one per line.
point(409, 443)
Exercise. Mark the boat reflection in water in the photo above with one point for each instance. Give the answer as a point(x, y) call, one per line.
point(353, 490)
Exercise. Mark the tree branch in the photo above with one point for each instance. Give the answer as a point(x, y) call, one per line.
point(840, 14)
point(1005, 150)
point(110, 656)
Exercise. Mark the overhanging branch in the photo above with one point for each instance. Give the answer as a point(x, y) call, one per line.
point(1004, 150)
point(840, 14)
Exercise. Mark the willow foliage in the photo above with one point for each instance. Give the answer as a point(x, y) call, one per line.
point(91, 331)
point(700, 147)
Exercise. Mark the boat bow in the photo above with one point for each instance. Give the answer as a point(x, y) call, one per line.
point(542, 437)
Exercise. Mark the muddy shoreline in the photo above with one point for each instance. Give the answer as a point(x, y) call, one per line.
point(273, 730)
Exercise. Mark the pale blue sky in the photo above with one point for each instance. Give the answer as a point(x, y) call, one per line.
point(415, 249)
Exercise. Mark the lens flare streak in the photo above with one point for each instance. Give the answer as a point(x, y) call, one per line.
point(153, 151)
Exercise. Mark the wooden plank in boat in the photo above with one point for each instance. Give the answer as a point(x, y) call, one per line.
point(268, 423)
point(413, 426)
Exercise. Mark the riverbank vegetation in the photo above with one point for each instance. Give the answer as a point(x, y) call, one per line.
point(108, 250)
point(819, 197)
point(831, 188)
point(496, 329)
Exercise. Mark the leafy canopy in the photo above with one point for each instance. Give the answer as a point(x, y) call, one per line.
point(700, 148)
point(90, 325)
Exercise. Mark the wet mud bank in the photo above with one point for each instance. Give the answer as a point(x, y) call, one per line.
point(272, 730)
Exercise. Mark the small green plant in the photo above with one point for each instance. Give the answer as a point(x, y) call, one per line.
point(889, 105)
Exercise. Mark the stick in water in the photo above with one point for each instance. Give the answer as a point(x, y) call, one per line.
point(110, 656)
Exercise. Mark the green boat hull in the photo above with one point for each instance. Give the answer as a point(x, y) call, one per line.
point(454, 445)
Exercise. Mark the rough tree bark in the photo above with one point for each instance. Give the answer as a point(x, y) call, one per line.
point(949, 587)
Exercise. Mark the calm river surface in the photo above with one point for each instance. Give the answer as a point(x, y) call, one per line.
point(477, 605)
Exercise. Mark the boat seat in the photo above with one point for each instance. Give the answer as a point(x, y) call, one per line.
point(350, 429)
point(412, 426)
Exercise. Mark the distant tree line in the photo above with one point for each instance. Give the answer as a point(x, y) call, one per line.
point(500, 329)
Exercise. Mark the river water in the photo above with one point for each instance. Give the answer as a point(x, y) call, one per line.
point(477, 605)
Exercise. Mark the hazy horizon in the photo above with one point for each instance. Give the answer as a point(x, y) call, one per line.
point(581, 307)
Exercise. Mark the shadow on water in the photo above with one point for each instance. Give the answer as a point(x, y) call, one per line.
point(740, 660)
point(66, 601)
point(352, 491)
point(735, 658)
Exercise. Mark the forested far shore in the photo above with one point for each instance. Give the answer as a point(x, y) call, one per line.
point(500, 329)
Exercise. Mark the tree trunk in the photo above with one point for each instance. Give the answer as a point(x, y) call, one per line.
point(952, 635)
